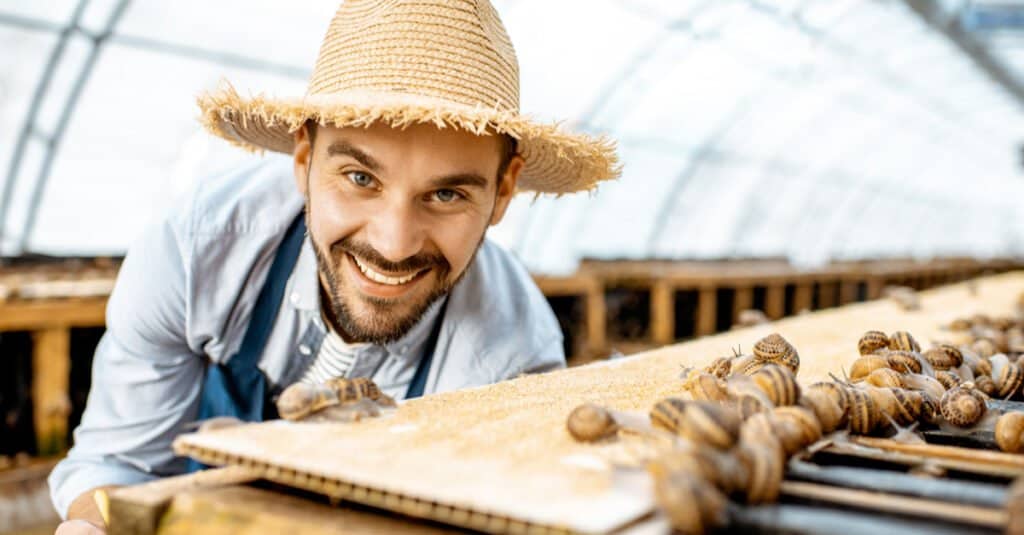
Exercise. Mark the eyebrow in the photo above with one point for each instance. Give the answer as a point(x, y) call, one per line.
point(461, 179)
point(343, 148)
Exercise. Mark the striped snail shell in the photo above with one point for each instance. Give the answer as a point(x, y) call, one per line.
point(980, 320)
point(1004, 323)
point(1010, 432)
point(837, 393)
point(824, 407)
point(746, 365)
point(590, 422)
point(924, 383)
point(779, 384)
point(962, 407)
point(1007, 376)
point(904, 341)
point(764, 463)
point(930, 412)
point(863, 415)
point(775, 349)
point(749, 405)
point(984, 348)
point(907, 407)
point(872, 341)
point(350, 390)
point(805, 420)
point(721, 469)
point(300, 400)
point(691, 503)
point(863, 366)
point(986, 385)
point(960, 324)
point(706, 386)
point(938, 359)
point(765, 427)
point(948, 379)
point(702, 422)
point(904, 361)
point(885, 377)
point(720, 367)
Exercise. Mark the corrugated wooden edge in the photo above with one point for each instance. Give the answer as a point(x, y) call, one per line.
point(338, 489)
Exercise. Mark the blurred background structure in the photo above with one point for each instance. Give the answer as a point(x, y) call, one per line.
point(780, 155)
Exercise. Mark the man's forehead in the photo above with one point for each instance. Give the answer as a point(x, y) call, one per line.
point(409, 136)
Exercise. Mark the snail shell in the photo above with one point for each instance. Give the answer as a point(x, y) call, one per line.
point(350, 390)
point(885, 377)
point(838, 394)
point(1004, 323)
point(986, 385)
point(944, 357)
point(960, 324)
point(765, 466)
point(904, 341)
point(749, 405)
point(300, 400)
point(984, 348)
point(692, 504)
point(775, 349)
point(720, 367)
point(1010, 432)
point(825, 409)
point(962, 407)
point(779, 384)
point(746, 365)
point(765, 427)
point(980, 320)
point(872, 341)
point(1007, 376)
point(806, 422)
point(948, 379)
point(863, 414)
point(589, 422)
point(706, 386)
point(720, 469)
point(924, 383)
point(703, 422)
point(904, 361)
point(907, 407)
point(865, 365)
point(930, 412)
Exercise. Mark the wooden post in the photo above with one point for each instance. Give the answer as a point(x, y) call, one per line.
point(596, 319)
point(847, 291)
point(743, 300)
point(775, 300)
point(802, 296)
point(826, 294)
point(51, 369)
point(707, 310)
point(663, 313)
point(875, 285)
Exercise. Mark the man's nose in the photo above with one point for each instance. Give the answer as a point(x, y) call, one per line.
point(396, 231)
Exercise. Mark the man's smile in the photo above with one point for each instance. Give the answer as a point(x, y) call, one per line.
point(373, 282)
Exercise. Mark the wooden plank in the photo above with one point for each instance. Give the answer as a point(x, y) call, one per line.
point(791, 519)
point(848, 291)
point(802, 297)
point(51, 369)
point(743, 300)
point(596, 318)
point(663, 313)
point(875, 285)
point(892, 503)
point(707, 310)
point(775, 300)
point(32, 315)
point(826, 294)
point(996, 458)
point(137, 510)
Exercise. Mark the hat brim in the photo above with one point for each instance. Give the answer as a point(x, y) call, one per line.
point(557, 161)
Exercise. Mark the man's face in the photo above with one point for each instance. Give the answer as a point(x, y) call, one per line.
point(395, 217)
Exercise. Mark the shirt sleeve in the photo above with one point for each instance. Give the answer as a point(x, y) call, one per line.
point(145, 380)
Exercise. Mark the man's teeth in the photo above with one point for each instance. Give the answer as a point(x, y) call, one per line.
point(380, 277)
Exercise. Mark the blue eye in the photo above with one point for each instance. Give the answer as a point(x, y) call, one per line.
point(447, 195)
point(360, 179)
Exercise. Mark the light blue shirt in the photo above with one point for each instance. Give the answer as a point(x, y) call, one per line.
point(184, 296)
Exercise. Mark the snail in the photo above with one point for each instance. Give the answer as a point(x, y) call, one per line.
point(924, 383)
point(960, 324)
point(944, 357)
point(984, 348)
point(962, 406)
point(765, 466)
point(748, 405)
point(865, 365)
point(779, 384)
point(692, 504)
point(720, 367)
point(775, 349)
point(700, 421)
point(1009, 432)
point(885, 377)
point(805, 420)
point(986, 385)
point(872, 341)
point(721, 469)
point(863, 414)
point(349, 390)
point(705, 386)
point(1006, 375)
point(300, 400)
point(765, 427)
point(904, 361)
point(906, 407)
point(589, 423)
point(948, 379)
point(825, 409)
point(838, 394)
point(904, 341)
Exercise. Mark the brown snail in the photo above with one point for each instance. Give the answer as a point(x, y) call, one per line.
point(692, 504)
point(1006, 375)
point(907, 406)
point(962, 407)
point(765, 427)
point(863, 366)
point(720, 367)
point(944, 357)
point(984, 348)
point(947, 379)
point(863, 414)
point(778, 383)
point(838, 394)
point(872, 341)
point(903, 361)
point(805, 420)
point(1009, 432)
point(825, 409)
point(589, 423)
point(986, 385)
point(721, 469)
point(349, 390)
point(705, 386)
point(885, 377)
point(702, 422)
point(765, 466)
point(924, 383)
point(904, 341)
point(300, 400)
point(775, 349)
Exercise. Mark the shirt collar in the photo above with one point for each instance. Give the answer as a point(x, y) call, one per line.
point(304, 294)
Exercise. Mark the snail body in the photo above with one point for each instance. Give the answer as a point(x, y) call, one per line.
point(300, 400)
point(924, 383)
point(589, 423)
point(825, 409)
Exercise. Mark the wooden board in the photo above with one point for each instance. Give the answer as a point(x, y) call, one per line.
point(498, 457)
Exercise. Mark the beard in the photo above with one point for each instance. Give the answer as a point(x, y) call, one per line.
point(372, 319)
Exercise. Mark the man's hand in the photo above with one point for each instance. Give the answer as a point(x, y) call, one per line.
point(79, 527)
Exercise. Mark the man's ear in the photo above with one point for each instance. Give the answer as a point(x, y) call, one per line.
point(507, 188)
point(302, 155)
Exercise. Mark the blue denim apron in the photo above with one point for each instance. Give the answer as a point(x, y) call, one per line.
point(238, 388)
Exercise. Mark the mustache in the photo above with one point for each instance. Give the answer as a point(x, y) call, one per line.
point(366, 253)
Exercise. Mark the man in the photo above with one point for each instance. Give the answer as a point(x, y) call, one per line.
point(363, 255)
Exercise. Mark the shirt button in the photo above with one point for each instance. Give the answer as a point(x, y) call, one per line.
point(304, 349)
point(294, 298)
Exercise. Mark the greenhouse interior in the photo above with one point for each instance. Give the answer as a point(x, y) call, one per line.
point(744, 266)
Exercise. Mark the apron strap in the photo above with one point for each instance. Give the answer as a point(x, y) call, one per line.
point(419, 379)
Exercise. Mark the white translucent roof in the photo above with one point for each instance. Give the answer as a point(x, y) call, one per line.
point(813, 130)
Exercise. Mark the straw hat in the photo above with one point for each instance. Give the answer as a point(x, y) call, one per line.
point(446, 62)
